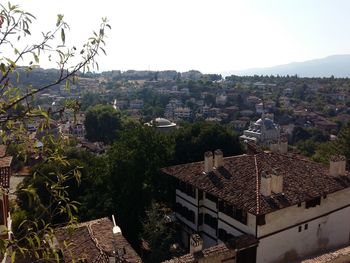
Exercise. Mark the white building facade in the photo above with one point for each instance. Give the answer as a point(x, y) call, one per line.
point(291, 207)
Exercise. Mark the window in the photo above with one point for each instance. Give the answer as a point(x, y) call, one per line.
point(241, 216)
point(224, 236)
point(299, 229)
point(186, 188)
point(210, 221)
point(185, 212)
point(313, 202)
point(200, 195)
point(228, 209)
point(200, 219)
point(306, 226)
point(260, 220)
point(211, 197)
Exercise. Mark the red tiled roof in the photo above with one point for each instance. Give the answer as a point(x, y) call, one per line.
point(5, 161)
point(93, 241)
point(238, 180)
point(2, 150)
point(239, 243)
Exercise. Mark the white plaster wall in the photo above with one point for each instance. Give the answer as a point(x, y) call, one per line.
point(293, 215)
point(323, 233)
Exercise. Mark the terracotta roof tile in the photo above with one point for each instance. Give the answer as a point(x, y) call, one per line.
point(93, 241)
point(238, 243)
point(5, 161)
point(238, 180)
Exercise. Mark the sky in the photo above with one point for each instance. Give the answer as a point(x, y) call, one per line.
point(207, 35)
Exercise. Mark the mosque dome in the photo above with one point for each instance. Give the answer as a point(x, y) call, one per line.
point(268, 123)
point(162, 123)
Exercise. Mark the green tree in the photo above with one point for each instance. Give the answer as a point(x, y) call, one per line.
point(130, 179)
point(194, 140)
point(17, 105)
point(158, 233)
point(102, 123)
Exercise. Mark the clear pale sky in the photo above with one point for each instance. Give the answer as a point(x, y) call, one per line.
point(210, 36)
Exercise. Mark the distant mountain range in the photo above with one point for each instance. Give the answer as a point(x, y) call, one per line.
point(336, 65)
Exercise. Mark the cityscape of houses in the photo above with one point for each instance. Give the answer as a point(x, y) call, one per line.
point(270, 204)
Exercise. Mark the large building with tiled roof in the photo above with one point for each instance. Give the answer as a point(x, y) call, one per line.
point(292, 206)
point(94, 242)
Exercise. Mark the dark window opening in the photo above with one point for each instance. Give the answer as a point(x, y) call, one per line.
point(228, 209)
point(260, 220)
point(185, 212)
point(200, 194)
point(211, 221)
point(211, 197)
point(224, 236)
point(306, 226)
point(186, 189)
point(299, 229)
point(312, 203)
point(200, 219)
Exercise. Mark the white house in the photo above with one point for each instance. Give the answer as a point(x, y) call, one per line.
point(292, 206)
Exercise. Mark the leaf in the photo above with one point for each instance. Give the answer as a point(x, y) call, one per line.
point(67, 86)
point(27, 31)
point(59, 19)
point(103, 50)
point(63, 36)
point(3, 68)
point(13, 257)
point(36, 58)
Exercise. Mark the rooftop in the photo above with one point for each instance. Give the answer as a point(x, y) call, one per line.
point(238, 180)
point(93, 241)
point(238, 243)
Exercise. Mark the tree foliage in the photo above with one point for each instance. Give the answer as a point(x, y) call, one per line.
point(18, 106)
point(102, 123)
point(194, 140)
point(158, 233)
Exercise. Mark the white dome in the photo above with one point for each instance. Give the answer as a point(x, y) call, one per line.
point(161, 123)
point(268, 123)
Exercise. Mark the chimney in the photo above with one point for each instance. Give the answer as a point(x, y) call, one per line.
point(208, 162)
point(265, 185)
point(337, 165)
point(196, 243)
point(283, 145)
point(276, 182)
point(218, 158)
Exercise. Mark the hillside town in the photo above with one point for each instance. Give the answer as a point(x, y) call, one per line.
point(233, 206)
point(191, 132)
